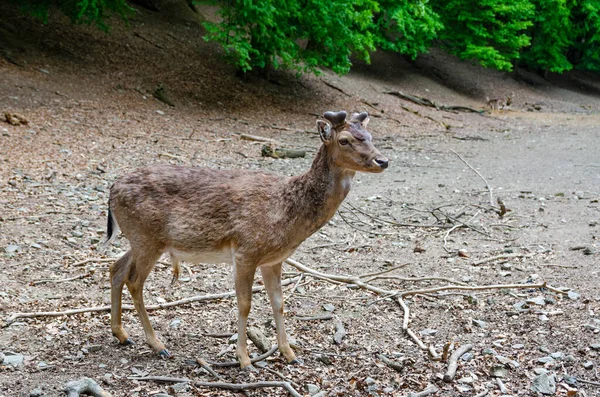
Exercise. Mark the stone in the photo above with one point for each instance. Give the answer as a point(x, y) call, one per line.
point(588, 365)
point(259, 339)
point(328, 307)
point(428, 332)
point(595, 346)
point(37, 392)
point(13, 359)
point(175, 323)
point(538, 300)
point(544, 383)
point(498, 371)
point(545, 360)
point(182, 387)
point(312, 389)
point(12, 248)
point(480, 323)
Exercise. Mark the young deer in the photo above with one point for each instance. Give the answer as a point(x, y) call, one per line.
point(246, 218)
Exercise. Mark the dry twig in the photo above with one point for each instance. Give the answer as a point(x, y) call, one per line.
point(249, 386)
point(479, 174)
point(236, 363)
point(197, 298)
point(453, 362)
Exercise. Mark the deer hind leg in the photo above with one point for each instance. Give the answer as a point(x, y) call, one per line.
point(244, 278)
point(272, 278)
point(143, 262)
point(176, 263)
point(119, 272)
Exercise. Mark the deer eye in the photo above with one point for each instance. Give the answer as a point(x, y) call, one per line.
point(344, 142)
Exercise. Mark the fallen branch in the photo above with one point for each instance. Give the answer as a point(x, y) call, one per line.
point(85, 386)
point(98, 260)
point(236, 363)
point(249, 386)
point(479, 174)
point(588, 382)
point(312, 318)
point(429, 103)
point(197, 298)
point(501, 256)
point(256, 138)
point(427, 391)
point(57, 281)
point(159, 379)
point(453, 362)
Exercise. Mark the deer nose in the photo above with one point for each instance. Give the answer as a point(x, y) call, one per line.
point(382, 162)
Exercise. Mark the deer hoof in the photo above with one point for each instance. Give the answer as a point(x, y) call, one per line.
point(128, 342)
point(164, 354)
point(250, 368)
point(296, 361)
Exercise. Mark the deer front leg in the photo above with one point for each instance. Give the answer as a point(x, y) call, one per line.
point(244, 277)
point(143, 264)
point(272, 278)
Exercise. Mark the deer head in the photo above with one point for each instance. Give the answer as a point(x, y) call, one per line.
point(349, 143)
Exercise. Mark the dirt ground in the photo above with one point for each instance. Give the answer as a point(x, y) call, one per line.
point(87, 97)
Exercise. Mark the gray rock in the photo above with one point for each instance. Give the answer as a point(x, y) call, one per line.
point(573, 295)
point(259, 339)
point(321, 394)
point(570, 380)
point(544, 383)
point(558, 356)
point(175, 323)
point(370, 381)
point(182, 387)
point(498, 371)
point(539, 371)
point(588, 365)
point(595, 346)
point(37, 392)
point(428, 332)
point(466, 357)
point(328, 307)
point(312, 389)
point(518, 346)
point(12, 248)
point(538, 300)
point(507, 361)
point(545, 360)
point(480, 323)
point(490, 352)
point(13, 359)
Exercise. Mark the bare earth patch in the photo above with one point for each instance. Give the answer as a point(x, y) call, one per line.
point(87, 98)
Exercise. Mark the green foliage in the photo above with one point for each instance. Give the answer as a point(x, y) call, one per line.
point(304, 35)
point(550, 36)
point(491, 31)
point(81, 11)
point(406, 26)
point(298, 34)
point(585, 48)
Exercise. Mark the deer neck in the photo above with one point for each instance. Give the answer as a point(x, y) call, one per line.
point(321, 190)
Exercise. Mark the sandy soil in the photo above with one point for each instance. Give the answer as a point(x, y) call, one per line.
point(87, 97)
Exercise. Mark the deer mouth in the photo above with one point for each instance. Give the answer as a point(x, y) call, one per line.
point(378, 164)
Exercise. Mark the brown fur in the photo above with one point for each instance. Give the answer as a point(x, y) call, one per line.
point(257, 219)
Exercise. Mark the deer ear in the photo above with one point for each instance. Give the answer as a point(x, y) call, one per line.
point(324, 130)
